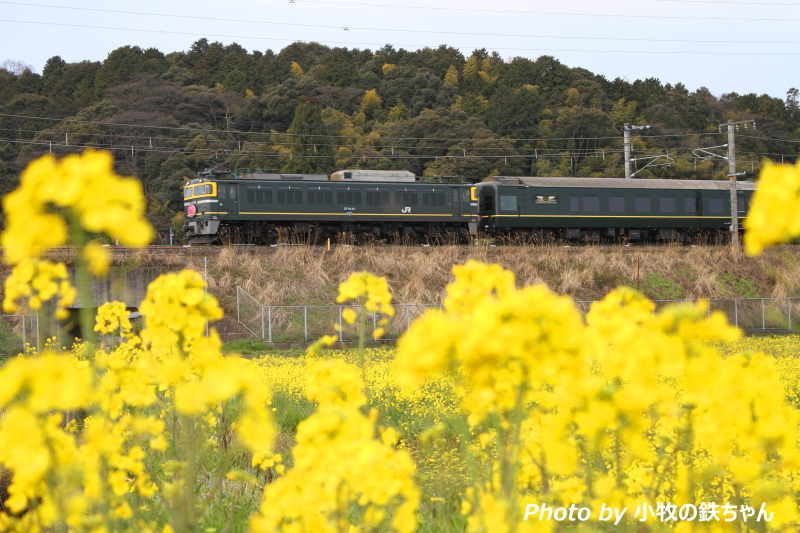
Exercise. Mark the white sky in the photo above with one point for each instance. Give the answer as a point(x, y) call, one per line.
point(738, 46)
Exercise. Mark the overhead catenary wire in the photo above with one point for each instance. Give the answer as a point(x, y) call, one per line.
point(466, 47)
point(400, 30)
point(200, 130)
point(73, 147)
point(542, 13)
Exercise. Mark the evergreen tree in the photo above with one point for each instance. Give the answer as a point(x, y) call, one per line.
point(310, 149)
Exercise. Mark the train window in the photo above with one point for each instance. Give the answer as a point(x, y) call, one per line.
point(716, 205)
point(222, 191)
point(348, 197)
point(433, 197)
point(690, 205)
point(574, 204)
point(508, 203)
point(641, 204)
point(406, 197)
point(233, 192)
point(320, 196)
point(289, 196)
point(616, 204)
point(741, 204)
point(591, 203)
point(487, 203)
point(187, 192)
point(666, 205)
point(377, 196)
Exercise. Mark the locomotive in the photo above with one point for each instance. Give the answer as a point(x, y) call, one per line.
point(367, 204)
point(396, 206)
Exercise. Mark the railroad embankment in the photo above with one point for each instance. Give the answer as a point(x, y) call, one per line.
point(300, 275)
point(310, 275)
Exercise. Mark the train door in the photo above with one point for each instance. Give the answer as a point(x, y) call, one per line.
point(233, 199)
point(456, 201)
point(222, 197)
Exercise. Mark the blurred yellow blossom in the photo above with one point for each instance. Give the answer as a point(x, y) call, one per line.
point(774, 212)
point(86, 184)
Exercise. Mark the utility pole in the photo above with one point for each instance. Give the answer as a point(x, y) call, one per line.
point(732, 174)
point(626, 144)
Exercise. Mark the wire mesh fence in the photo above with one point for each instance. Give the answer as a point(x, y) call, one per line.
point(17, 332)
point(307, 323)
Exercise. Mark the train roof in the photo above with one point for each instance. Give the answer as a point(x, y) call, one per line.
point(619, 183)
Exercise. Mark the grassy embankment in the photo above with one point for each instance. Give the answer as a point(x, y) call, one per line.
point(416, 275)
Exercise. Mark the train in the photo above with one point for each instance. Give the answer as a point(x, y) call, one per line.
point(362, 205)
point(397, 206)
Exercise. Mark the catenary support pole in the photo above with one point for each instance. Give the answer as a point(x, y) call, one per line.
point(732, 177)
point(626, 144)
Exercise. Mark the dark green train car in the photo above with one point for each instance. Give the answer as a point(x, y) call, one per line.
point(258, 211)
point(598, 209)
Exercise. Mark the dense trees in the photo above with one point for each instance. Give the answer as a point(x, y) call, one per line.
point(311, 108)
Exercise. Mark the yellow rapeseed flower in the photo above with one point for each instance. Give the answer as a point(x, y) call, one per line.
point(85, 184)
point(774, 213)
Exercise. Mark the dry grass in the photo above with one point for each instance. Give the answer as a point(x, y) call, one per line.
point(309, 275)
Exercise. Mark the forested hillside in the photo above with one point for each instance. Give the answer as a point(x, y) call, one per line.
point(310, 108)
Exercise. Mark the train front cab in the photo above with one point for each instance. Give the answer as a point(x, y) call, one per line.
point(204, 202)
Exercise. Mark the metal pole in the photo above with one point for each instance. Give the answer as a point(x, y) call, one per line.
point(340, 324)
point(262, 322)
point(238, 315)
point(736, 312)
point(23, 333)
point(205, 281)
point(732, 177)
point(269, 315)
point(626, 144)
point(305, 323)
point(38, 341)
point(763, 320)
point(789, 301)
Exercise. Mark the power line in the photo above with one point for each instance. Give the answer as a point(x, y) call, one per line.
point(551, 13)
point(767, 138)
point(437, 32)
point(517, 49)
point(538, 154)
point(730, 2)
point(179, 128)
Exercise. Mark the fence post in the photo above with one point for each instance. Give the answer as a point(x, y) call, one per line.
point(763, 319)
point(38, 339)
point(789, 301)
point(305, 323)
point(269, 316)
point(736, 312)
point(238, 315)
point(262, 322)
point(341, 338)
point(23, 333)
